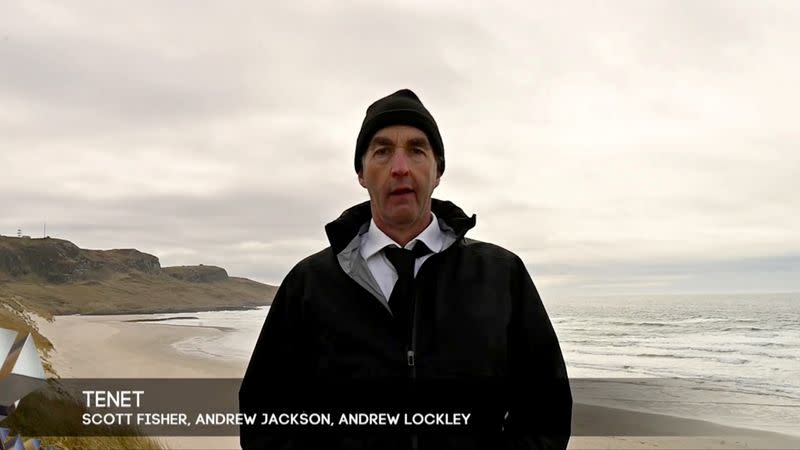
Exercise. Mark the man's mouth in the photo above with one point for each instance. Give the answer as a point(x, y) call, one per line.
point(401, 191)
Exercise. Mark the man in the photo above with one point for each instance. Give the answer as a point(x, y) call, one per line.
point(402, 298)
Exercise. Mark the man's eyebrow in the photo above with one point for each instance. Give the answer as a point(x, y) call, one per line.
point(380, 140)
point(413, 142)
point(418, 142)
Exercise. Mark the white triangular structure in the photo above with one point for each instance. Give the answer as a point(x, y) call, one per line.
point(28, 362)
point(21, 371)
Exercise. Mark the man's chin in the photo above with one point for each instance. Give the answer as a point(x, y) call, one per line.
point(402, 216)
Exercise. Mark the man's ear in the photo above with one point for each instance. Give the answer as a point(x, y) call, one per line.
point(361, 179)
point(438, 178)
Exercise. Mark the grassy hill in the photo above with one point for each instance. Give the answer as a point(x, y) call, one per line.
point(54, 276)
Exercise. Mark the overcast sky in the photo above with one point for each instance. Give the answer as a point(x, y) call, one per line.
point(617, 147)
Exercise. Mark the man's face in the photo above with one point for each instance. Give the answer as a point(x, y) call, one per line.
point(399, 171)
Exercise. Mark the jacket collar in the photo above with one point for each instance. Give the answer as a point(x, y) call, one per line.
point(342, 230)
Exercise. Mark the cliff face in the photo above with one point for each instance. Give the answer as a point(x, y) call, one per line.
point(54, 276)
point(60, 261)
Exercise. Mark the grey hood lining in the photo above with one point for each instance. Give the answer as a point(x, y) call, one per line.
point(355, 266)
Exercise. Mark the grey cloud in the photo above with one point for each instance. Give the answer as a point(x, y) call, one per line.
point(253, 215)
point(93, 78)
point(167, 75)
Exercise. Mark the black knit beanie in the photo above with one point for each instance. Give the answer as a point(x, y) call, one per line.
point(401, 108)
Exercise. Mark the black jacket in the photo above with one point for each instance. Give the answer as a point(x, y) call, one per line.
point(481, 335)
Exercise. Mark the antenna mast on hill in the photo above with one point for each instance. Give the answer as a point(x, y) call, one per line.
point(44, 230)
point(19, 232)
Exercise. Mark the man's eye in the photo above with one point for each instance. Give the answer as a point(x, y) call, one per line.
point(381, 151)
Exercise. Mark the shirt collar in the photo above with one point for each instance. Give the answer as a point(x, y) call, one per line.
point(374, 240)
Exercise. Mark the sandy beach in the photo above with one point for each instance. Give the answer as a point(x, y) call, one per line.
point(119, 347)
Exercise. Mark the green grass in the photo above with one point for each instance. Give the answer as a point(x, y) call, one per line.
point(135, 293)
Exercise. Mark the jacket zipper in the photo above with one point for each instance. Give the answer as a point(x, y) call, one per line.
point(411, 353)
point(412, 348)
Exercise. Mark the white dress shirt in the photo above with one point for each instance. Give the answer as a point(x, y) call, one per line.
point(373, 242)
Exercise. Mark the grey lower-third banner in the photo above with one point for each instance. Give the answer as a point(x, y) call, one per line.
point(210, 407)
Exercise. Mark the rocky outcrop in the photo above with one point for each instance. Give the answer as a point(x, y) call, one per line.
point(197, 274)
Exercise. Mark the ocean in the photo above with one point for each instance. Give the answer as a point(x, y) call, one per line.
point(731, 359)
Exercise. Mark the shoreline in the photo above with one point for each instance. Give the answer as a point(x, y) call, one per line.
point(181, 310)
point(136, 346)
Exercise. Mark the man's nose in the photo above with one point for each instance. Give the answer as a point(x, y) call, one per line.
point(400, 163)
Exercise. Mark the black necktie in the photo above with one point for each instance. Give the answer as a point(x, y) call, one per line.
point(400, 302)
